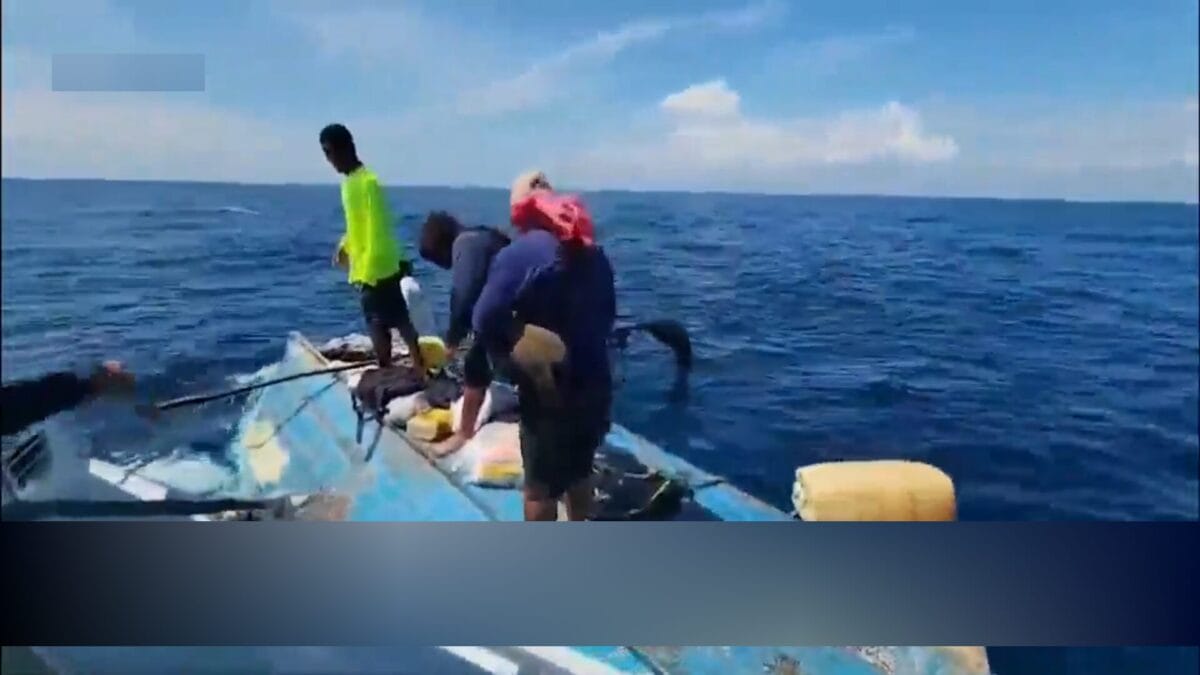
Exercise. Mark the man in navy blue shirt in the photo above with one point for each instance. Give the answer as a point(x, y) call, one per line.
point(30, 401)
point(467, 252)
point(568, 289)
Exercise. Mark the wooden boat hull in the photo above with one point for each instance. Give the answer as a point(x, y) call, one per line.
point(303, 438)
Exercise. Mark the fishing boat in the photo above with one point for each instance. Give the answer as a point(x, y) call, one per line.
point(303, 444)
point(509, 660)
point(301, 451)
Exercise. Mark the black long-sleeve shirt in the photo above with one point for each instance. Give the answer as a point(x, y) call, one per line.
point(30, 401)
point(471, 256)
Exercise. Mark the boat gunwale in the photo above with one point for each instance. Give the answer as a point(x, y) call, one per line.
point(705, 481)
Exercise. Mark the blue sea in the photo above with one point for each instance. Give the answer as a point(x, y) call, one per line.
point(1043, 353)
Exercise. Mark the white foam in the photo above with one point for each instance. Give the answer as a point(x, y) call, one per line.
point(243, 379)
point(485, 660)
point(194, 474)
point(134, 485)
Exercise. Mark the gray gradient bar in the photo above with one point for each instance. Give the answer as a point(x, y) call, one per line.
point(601, 583)
point(127, 72)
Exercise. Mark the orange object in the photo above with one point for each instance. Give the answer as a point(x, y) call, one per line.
point(564, 216)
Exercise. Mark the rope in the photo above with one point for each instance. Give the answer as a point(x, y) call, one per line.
point(81, 508)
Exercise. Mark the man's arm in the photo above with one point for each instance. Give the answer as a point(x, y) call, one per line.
point(340, 257)
point(31, 401)
point(492, 319)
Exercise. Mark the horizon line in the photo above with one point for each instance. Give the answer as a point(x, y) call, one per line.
point(666, 191)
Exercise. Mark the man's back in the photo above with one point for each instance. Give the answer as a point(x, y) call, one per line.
point(571, 294)
point(369, 243)
point(471, 257)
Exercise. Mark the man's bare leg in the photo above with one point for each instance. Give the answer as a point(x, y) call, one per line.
point(381, 342)
point(538, 504)
point(578, 499)
point(409, 334)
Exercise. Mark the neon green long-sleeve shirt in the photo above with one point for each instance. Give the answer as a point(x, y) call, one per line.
point(369, 242)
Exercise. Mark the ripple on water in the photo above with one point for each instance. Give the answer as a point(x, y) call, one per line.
point(1044, 354)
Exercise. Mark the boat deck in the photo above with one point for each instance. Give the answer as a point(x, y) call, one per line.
point(301, 437)
point(509, 660)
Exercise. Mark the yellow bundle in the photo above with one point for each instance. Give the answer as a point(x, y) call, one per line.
point(431, 425)
point(886, 490)
point(499, 473)
point(433, 351)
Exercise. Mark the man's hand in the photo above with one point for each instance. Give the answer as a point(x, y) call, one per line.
point(339, 258)
point(450, 445)
point(111, 379)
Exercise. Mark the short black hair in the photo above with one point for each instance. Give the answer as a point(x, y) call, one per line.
point(337, 137)
point(437, 238)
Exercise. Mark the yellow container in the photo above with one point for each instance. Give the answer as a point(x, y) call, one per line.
point(874, 491)
point(431, 425)
point(433, 351)
point(499, 474)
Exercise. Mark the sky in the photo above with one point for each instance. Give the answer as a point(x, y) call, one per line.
point(1091, 100)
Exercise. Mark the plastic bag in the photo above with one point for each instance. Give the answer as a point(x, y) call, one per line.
point(418, 310)
point(498, 400)
point(400, 410)
point(492, 457)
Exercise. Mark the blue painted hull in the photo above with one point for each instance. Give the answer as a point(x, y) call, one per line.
point(302, 437)
point(514, 660)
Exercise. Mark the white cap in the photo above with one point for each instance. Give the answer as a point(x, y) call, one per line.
point(525, 183)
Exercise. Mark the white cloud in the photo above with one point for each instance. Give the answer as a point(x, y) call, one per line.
point(144, 136)
point(24, 69)
point(707, 134)
point(710, 99)
point(68, 25)
point(396, 41)
point(1057, 137)
point(185, 136)
point(548, 78)
point(703, 140)
point(750, 16)
point(373, 35)
point(826, 56)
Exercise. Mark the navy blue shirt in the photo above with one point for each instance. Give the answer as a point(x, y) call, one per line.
point(470, 258)
point(532, 281)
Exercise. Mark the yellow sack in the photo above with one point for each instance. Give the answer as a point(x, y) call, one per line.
point(497, 459)
point(433, 351)
point(431, 425)
point(886, 490)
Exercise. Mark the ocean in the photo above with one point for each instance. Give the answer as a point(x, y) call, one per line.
point(1045, 354)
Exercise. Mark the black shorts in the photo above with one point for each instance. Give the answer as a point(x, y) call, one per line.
point(383, 303)
point(558, 445)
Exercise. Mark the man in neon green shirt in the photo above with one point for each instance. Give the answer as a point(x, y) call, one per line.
point(369, 249)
